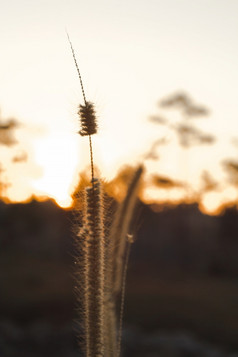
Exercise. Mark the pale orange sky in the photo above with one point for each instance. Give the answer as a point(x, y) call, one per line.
point(131, 54)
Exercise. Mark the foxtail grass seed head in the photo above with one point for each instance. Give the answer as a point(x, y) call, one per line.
point(94, 273)
point(88, 120)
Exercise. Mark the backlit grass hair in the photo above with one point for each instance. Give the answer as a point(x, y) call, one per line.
point(94, 273)
point(101, 253)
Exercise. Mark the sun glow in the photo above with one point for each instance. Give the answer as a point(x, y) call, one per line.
point(57, 154)
point(56, 157)
point(214, 203)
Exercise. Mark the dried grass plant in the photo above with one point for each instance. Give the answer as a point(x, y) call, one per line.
point(103, 253)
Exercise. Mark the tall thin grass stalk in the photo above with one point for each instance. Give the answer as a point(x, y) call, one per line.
point(123, 292)
point(117, 257)
point(120, 229)
point(102, 253)
point(86, 113)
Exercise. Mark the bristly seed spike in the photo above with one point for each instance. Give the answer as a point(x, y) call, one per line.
point(88, 119)
point(86, 113)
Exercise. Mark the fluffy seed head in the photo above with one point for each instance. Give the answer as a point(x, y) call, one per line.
point(88, 119)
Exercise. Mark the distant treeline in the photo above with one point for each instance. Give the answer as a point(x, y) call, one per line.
point(179, 239)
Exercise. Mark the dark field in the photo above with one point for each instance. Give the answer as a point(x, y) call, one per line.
point(181, 296)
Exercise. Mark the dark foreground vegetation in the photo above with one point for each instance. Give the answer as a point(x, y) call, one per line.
point(182, 289)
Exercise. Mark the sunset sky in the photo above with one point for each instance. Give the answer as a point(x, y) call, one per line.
point(131, 54)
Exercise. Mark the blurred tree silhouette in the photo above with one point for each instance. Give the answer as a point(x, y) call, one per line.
point(7, 131)
point(7, 139)
point(208, 182)
point(3, 183)
point(185, 104)
point(165, 182)
point(21, 157)
point(188, 134)
point(152, 153)
point(231, 167)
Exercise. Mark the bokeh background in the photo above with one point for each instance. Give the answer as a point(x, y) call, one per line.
point(164, 80)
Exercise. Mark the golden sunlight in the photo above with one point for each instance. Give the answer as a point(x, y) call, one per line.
point(214, 203)
point(56, 154)
point(127, 79)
